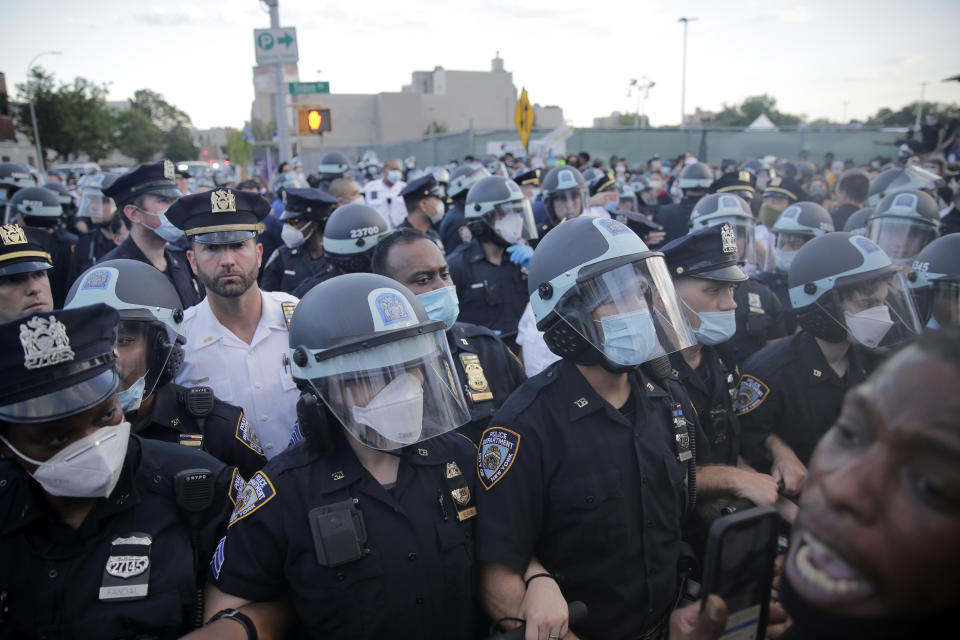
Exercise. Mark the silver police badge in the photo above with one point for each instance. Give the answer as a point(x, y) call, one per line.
point(728, 238)
point(127, 566)
point(222, 201)
point(45, 342)
point(169, 173)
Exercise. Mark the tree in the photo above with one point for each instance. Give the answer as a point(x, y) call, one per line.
point(179, 144)
point(72, 118)
point(163, 114)
point(906, 115)
point(137, 136)
point(238, 149)
point(750, 109)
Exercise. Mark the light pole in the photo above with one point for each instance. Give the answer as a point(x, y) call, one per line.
point(280, 102)
point(923, 85)
point(33, 114)
point(643, 92)
point(683, 87)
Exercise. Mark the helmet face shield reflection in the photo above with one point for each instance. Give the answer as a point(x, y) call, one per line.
point(144, 349)
point(900, 238)
point(745, 230)
point(566, 203)
point(512, 221)
point(630, 312)
point(877, 311)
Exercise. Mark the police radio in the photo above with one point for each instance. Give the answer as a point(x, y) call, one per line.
point(199, 403)
point(194, 490)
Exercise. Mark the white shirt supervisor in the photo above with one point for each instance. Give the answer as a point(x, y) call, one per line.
point(386, 200)
point(252, 376)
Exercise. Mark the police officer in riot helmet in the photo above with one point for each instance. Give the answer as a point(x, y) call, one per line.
point(489, 272)
point(454, 230)
point(349, 237)
point(13, 177)
point(604, 197)
point(149, 355)
point(571, 435)
point(40, 208)
point(377, 408)
point(332, 165)
point(906, 178)
point(903, 223)
point(105, 225)
point(565, 196)
point(494, 166)
point(853, 306)
point(304, 217)
point(934, 280)
point(857, 222)
point(694, 180)
point(74, 223)
point(797, 225)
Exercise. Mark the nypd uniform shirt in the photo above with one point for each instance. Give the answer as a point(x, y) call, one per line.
point(128, 570)
point(675, 218)
point(386, 200)
point(492, 296)
point(251, 376)
point(403, 569)
point(776, 280)
point(91, 246)
point(595, 493)
point(226, 434)
point(789, 389)
point(287, 268)
point(759, 318)
point(178, 270)
point(453, 228)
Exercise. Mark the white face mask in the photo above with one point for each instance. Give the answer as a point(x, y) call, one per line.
point(293, 237)
point(358, 200)
point(394, 176)
point(870, 326)
point(784, 259)
point(510, 228)
point(396, 412)
point(437, 215)
point(87, 468)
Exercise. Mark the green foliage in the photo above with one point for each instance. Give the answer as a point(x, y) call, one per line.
point(906, 115)
point(136, 135)
point(163, 114)
point(239, 150)
point(179, 144)
point(435, 127)
point(750, 109)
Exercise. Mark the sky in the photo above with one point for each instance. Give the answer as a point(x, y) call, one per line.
point(831, 59)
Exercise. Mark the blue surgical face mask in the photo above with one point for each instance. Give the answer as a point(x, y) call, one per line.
point(442, 304)
point(784, 259)
point(131, 397)
point(630, 338)
point(715, 326)
point(166, 230)
point(611, 206)
point(394, 176)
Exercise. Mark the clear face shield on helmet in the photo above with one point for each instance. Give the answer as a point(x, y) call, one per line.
point(512, 221)
point(877, 309)
point(565, 203)
point(745, 229)
point(393, 394)
point(96, 206)
point(630, 312)
point(144, 349)
point(900, 238)
point(938, 303)
point(786, 247)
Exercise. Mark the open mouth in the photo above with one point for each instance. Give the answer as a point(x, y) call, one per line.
point(821, 576)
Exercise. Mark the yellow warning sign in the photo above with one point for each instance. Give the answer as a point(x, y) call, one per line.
point(523, 117)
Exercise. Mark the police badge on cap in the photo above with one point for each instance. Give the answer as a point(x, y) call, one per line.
point(222, 216)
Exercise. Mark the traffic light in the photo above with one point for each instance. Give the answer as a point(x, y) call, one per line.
point(314, 120)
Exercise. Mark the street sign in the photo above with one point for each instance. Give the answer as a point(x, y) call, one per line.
point(299, 88)
point(523, 118)
point(276, 46)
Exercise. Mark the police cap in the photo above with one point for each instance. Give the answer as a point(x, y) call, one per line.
point(530, 176)
point(312, 204)
point(223, 216)
point(784, 188)
point(422, 188)
point(155, 178)
point(709, 253)
point(24, 249)
point(735, 182)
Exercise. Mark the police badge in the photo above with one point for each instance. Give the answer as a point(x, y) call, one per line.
point(126, 575)
point(45, 342)
point(222, 201)
point(13, 234)
point(728, 239)
point(168, 171)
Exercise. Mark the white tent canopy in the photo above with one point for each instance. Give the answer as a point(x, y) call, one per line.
point(762, 123)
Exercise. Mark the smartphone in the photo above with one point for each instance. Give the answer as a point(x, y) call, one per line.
point(738, 567)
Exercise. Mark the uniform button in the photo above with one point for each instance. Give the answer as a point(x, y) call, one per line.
point(53, 573)
point(412, 557)
point(590, 499)
point(270, 446)
point(340, 576)
point(263, 418)
point(3, 483)
point(258, 385)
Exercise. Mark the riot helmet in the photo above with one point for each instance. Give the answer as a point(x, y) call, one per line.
point(351, 233)
point(151, 326)
point(857, 222)
point(14, 176)
point(903, 223)
point(67, 203)
point(719, 208)
point(564, 194)
point(94, 205)
point(463, 178)
point(381, 367)
point(494, 166)
point(597, 180)
point(442, 176)
point(787, 169)
point(602, 298)
point(903, 179)
point(844, 287)
point(805, 171)
point(38, 207)
point(333, 165)
point(627, 199)
point(796, 225)
point(696, 176)
point(934, 280)
point(758, 168)
point(496, 211)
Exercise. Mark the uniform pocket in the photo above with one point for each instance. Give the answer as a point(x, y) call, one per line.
point(588, 511)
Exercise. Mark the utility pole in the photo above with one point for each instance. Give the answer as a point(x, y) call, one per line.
point(279, 102)
point(923, 85)
point(33, 114)
point(683, 87)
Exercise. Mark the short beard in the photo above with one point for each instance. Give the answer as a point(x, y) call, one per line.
point(231, 290)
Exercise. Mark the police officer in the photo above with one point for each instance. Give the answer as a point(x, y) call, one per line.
point(383, 194)
point(798, 224)
point(934, 280)
point(424, 199)
point(40, 208)
point(486, 368)
point(365, 528)
point(852, 305)
point(903, 223)
point(453, 228)
point(305, 215)
point(857, 222)
point(564, 194)
point(149, 357)
point(603, 193)
point(13, 177)
point(102, 534)
point(24, 263)
point(583, 467)
point(740, 183)
point(491, 287)
point(71, 221)
point(349, 238)
point(529, 182)
point(759, 313)
point(779, 194)
point(909, 178)
point(694, 181)
point(104, 223)
point(333, 165)
point(143, 195)
point(235, 336)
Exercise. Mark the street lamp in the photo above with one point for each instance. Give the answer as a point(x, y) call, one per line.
point(33, 114)
point(683, 90)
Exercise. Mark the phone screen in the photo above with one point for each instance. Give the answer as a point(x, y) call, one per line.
point(743, 576)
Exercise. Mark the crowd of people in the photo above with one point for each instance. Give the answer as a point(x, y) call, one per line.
point(380, 401)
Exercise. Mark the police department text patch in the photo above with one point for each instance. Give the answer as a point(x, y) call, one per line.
point(246, 435)
point(496, 453)
point(237, 485)
point(750, 395)
point(258, 492)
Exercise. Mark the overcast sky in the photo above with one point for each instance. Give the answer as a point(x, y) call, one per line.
point(811, 56)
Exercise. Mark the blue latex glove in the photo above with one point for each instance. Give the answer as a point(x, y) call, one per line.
point(520, 254)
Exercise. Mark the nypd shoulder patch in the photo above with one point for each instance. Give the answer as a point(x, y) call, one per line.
point(750, 395)
point(246, 435)
point(258, 492)
point(496, 453)
point(216, 562)
point(237, 484)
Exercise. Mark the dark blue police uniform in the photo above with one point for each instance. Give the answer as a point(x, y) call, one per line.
point(287, 268)
point(788, 389)
point(225, 433)
point(776, 281)
point(432, 232)
point(675, 218)
point(596, 494)
point(453, 228)
point(63, 246)
point(492, 296)
point(91, 246)
point(759, 317)
point(329, 270)
point(60, 582)
point(188, 287)
point(414, 577)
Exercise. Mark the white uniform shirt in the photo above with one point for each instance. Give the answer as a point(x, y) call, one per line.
point(536, 355)
point(386, 200)
point(252, 376)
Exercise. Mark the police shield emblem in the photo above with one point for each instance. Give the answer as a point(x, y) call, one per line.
point(495, 455)
point(126, 575)
point(222, 201)
point(168, 171)
point(45, 342)
point(728, 239)
point(13, 234)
